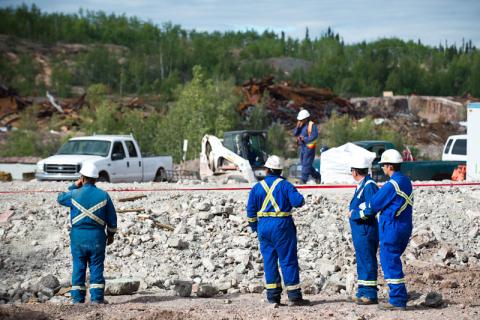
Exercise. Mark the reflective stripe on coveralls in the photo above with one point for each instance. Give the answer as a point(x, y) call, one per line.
point(88, 212)
point(311, 145)
point(408, 199)
point(81, 288)
point(97, 286)
point(271, 199)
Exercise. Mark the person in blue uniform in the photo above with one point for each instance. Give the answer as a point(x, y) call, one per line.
point(307, 134)
point(364, 233)
point(269, 214)
point(94, 223)
point(394, 204)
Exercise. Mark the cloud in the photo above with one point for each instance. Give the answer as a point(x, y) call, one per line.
point(432, 21)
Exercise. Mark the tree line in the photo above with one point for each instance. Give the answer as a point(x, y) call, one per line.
point(159, 58)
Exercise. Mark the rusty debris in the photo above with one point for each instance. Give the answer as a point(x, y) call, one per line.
point(285, 100)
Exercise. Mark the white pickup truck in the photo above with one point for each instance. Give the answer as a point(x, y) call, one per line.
point(117, 158)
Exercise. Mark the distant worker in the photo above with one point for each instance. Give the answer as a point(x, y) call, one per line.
point(269, 204)
point(394, 203)
point(364, 233)
point(91, 212)
point(307, 133)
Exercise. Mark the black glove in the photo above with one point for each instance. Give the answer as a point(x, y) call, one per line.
point(110, 238)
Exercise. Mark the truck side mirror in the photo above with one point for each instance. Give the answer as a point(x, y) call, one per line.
point(117, 156)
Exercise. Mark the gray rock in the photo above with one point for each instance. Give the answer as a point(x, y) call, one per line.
point(48, 281)
point(433, 300)
point(208, 264)
point(183, 288)
point(444, 253)
point(58, 300)
point(206, 291)
point(326, 268)
point(121, 286)
point(255, 287)
point(177, 243)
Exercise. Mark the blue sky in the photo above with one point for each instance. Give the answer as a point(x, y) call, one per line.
point(433, 21)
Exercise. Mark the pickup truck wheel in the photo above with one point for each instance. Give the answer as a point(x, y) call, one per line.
point(103, 177)
point(161, 175)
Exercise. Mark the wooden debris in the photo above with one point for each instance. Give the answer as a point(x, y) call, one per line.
point(133, 198)
point(164, 226)
point(131, 210)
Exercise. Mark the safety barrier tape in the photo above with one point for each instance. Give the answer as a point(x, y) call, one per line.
point(337, 186)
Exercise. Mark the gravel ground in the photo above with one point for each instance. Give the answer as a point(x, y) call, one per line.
point(211, 244)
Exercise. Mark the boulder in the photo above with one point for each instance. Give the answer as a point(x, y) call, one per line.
point(121, 286)
point(206, 290)
point(183, 288)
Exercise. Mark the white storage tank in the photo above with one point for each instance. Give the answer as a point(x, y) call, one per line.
point(473, 142)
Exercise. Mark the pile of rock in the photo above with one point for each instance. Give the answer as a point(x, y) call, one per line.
point(209, 250)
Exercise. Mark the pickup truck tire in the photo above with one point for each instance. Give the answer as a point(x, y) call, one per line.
point(103, 177)
point(161, 175)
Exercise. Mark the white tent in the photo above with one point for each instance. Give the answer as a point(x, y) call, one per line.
point(335, 162)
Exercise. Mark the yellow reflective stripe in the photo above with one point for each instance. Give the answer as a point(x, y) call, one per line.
point(111, 229)
point(408, 199)
point(254, 219)
point(97, 286)
point(269, 197)
point(89, 212)
point(395, 281)
point(293, 287)
point(273, 214)
point(273, 285)
point(81, 288)
point(367, 282)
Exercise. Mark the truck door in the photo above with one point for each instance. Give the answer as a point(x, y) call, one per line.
point(119, 168)
point(134, 164)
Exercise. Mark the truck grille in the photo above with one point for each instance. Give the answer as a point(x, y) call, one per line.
point(62, 168)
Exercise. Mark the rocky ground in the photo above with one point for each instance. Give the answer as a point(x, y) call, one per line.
point(189, 254)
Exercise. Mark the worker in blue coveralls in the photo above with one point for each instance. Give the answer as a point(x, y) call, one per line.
point(394, 203)
point(364, 233)
point(91, 211)
point(269, 204)
point(307, 133)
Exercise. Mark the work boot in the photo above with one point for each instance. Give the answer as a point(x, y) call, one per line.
point(299, 303)
point(388, 306)
point(362, 301)
point(99, 302)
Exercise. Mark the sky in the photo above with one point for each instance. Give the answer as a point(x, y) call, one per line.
point(431, 21)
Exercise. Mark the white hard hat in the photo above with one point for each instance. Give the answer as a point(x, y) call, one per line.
point(303, 114)
point(89, 170)
point(274, 162)
point(361, 163)
point(391, 156)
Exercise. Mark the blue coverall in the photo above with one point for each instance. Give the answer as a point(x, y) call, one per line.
point(365, 239)
point(91, 211)
point(269, 204)
point(395, 202)
point(307, 150)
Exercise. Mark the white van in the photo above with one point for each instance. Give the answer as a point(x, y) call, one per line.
point(455, 148)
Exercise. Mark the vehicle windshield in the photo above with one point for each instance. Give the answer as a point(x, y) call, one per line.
point(86, 147)
point(255, 149)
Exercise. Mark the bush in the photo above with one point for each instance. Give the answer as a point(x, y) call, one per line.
point(339, 130)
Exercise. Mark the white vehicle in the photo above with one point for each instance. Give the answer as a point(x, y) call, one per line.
point(117, 158)
point(455, 148)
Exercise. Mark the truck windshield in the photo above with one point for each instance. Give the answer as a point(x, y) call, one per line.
point(85, 147)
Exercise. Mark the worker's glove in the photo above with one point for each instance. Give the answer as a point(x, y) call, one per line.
point(110, 238)
point(253, 226)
